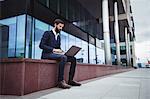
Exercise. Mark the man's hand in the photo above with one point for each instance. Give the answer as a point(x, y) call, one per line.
point(57, 50)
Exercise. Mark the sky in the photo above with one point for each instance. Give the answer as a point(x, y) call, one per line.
point(141, 15)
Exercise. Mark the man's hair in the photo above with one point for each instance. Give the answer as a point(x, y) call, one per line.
point(57, 21)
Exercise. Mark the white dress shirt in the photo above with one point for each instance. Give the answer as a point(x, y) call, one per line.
point(56, 34)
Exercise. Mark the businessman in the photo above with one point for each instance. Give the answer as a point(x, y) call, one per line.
point(50, 44)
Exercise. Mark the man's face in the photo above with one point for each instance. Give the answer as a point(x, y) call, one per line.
point(59, 27)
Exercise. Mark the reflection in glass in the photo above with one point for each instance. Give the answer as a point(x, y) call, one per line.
point(84, 51)
point(64, 41)
point(71, 40)
point(40, 28)
point(4, 36)
point(14, 38)
point(29, 32)
point(100, 56)
point(92, 54)
point(13, 34)
point(20, 36)
point(8, 27)
point(79, 54)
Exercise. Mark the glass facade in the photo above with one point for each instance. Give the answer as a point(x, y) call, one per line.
point(122, 54)
point(13, 36)
point(21, 36)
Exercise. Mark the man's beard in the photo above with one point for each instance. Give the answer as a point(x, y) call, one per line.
point(57, 30)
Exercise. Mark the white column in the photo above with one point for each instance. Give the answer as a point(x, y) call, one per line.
point(133, 54)
point(117, 33)
point(127, 46)
point(106, 31)
point(129, 49)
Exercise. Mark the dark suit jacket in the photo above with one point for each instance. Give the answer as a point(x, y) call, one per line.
point(48, 43)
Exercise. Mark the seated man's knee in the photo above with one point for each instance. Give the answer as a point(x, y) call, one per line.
point(63, 58)
point(74, 58)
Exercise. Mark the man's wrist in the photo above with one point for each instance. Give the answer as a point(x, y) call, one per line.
point(53, 50)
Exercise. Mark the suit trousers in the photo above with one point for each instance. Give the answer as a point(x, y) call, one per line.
point(63, 60)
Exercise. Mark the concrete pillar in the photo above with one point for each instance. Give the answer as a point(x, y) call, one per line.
point(117, 34)
point(106, 31)
point(127, 46)
point(129, 50)
point(133, 54)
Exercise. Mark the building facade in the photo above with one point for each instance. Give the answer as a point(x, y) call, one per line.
point(23, 22)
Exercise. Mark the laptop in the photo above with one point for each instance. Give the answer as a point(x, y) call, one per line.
point(72, 51)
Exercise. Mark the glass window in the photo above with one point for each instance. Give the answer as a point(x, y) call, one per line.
point(78, 42)
point(100, 56)
point(71, 40)
point(8, 27)
point(68, 40)
point(64, 41)
point(40, 28)
point(113, 57)
point(79, 54)
point(4, 36)
point(20, 36)
point(13, 36)
point(84, 51)
point(50, 27)
point(12, 39)
point(8, 33)
point(29, 32)
point(92, 54)
point(33, 38)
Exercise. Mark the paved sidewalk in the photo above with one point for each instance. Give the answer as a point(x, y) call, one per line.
point(129, 85)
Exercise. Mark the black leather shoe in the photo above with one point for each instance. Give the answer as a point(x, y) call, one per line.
point(74, 83)
point(62, 84)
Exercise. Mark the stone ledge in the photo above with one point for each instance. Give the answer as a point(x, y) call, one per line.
point(22, 76)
